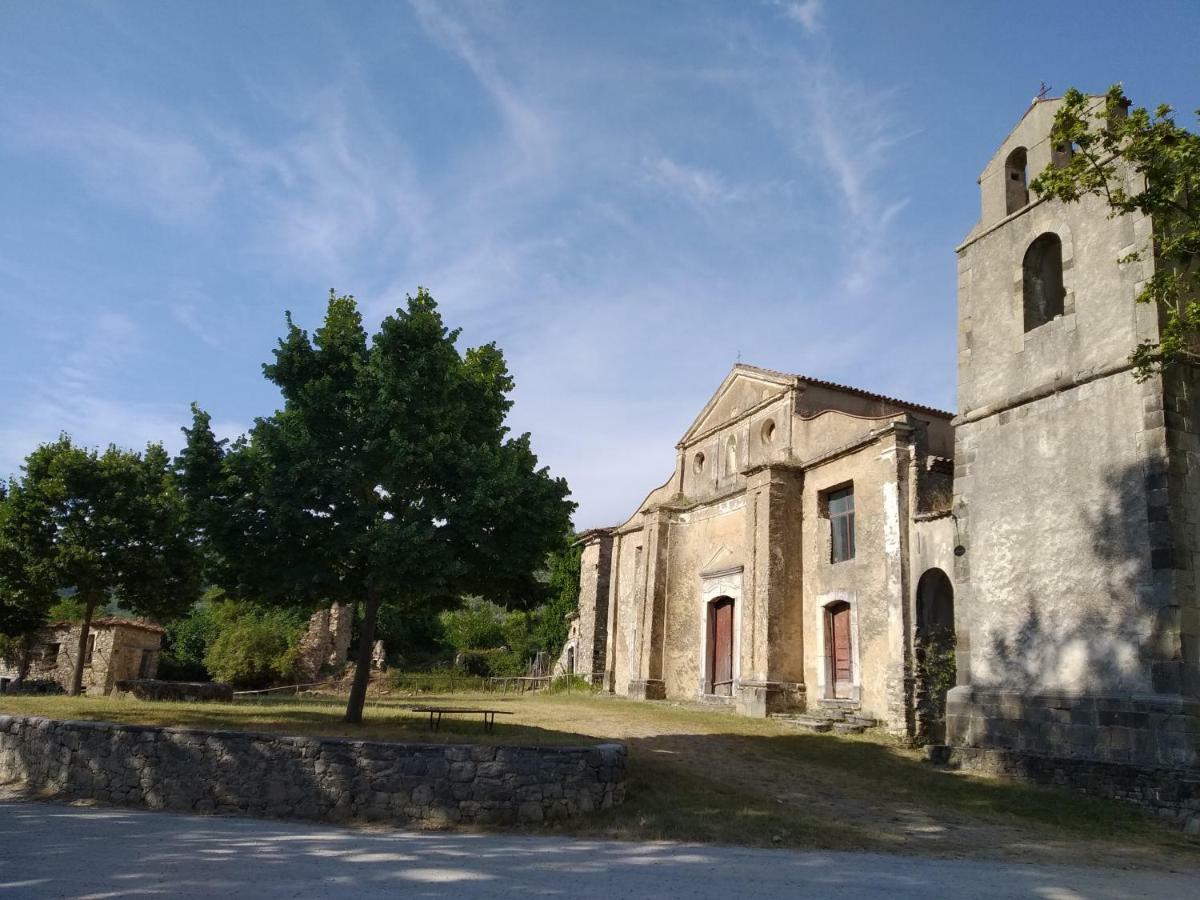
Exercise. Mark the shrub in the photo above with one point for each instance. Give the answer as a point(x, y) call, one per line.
point(254, 647)
point(487, 663)
point(187, 642)
point(477, 625)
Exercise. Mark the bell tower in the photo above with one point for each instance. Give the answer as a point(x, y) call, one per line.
point(1077, 486)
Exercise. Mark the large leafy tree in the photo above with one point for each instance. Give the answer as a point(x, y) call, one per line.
point(1111, 142)
point(387, 478)
point(104, 526)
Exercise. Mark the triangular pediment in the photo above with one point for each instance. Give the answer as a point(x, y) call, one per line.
point(744, 389)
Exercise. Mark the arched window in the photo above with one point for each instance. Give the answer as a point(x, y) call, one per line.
point(731, 465)
point(1016, 181)
point(1043, 281)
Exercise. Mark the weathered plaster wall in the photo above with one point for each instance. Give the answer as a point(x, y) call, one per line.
point(872, 582)
point(1063, 593)
point(594, 574)
point(707, 539)
point(308, 778)
point(1077, 497)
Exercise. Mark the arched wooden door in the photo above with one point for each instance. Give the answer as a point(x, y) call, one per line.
point(839, 665)
point(720, 662)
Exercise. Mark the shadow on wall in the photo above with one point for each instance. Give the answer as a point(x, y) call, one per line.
point(1096, 638)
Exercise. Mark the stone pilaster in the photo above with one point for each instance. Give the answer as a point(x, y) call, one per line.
point(771, 671)
point(648, 685)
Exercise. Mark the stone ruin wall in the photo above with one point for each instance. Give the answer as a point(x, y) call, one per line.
point(326, 644)
point(192, 770)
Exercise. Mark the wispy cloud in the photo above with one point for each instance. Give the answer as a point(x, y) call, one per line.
point(693, 183)
point(134, 164)
point(807, 13)
point(526, 125)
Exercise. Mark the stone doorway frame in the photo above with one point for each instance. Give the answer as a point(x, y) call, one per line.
point(714, 586)
point(824, 691)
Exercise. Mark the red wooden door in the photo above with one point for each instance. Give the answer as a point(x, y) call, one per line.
point(838, 644)
point(722, 647)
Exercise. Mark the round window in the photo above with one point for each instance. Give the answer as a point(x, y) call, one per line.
point(698, 463)
point(768, 431)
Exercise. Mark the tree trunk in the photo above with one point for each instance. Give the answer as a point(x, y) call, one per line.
point(362, 668)
point(84, 629)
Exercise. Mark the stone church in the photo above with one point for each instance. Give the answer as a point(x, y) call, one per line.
point(777, 567)
point(813, 536)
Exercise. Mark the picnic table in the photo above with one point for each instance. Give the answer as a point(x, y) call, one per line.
point(489, 715)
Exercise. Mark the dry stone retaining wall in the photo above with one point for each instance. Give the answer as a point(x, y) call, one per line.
point(308, 778)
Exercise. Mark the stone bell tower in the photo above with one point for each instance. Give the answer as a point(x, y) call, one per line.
point(1077, 489)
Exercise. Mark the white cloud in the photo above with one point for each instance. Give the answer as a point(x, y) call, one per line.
point(806, 12)
point(699, 186)
point(136, 165)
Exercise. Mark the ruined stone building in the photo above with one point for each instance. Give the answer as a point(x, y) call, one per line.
point(811, 538)
point(325, 643)
point(117, 650)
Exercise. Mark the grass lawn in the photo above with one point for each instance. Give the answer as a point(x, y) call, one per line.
point(700, 775)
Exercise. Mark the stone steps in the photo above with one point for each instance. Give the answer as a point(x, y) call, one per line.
point(825, 719)
point(812, 724)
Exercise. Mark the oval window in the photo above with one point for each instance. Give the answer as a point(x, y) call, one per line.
point(768, 431)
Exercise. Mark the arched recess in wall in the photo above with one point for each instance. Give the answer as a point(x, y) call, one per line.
point(1016, 181)
point(1042, 287)
point(731, 465)
point(934, 652)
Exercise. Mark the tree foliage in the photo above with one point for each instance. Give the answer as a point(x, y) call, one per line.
point(1140, 162)
point(387, 477)
point(553, 626)
point(106, 527)
point(250, 646)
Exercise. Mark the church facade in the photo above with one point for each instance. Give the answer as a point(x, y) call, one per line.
point(777, 568)
point(815, 541)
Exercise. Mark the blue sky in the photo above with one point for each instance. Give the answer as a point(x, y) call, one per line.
point(626, 196)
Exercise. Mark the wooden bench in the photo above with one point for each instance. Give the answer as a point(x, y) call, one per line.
point(436, 713)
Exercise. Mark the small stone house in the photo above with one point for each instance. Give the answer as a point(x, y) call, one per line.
point(117, 650)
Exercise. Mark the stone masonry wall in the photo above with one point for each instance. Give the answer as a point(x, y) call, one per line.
point(1165, 792)
point(199, 771)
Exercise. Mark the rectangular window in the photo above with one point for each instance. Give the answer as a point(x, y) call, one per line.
point(87, 654)
point(840, 504)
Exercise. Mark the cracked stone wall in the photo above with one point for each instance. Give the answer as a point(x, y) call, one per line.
point(192, 770)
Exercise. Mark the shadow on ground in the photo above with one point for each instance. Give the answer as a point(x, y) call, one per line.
point(49, 850)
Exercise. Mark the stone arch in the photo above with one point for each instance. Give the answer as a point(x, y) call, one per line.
point(934, 652)
point(1042, 290)
point(1016, 180)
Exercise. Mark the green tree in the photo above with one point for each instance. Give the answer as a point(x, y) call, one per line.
point(476, 625)
point(1110, 143)
point(105, 526)
point(387, 478)
point(251, 646)
point(562, 567)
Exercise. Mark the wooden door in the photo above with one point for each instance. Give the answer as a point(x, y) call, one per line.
point(722, 647)
point(837, 643)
